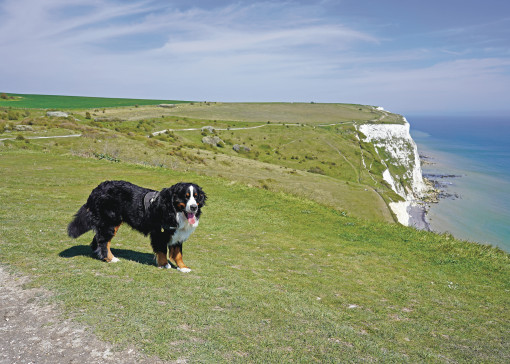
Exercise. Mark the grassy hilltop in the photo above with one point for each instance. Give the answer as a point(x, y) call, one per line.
point(311, 150)
point(294, 260)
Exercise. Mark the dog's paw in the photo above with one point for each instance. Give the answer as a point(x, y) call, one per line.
point(166, 266)
point(114, 260)
point(184, 270)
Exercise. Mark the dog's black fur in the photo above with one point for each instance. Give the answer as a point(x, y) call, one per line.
point(115, 202)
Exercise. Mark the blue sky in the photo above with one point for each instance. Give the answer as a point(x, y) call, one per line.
point(436, 56)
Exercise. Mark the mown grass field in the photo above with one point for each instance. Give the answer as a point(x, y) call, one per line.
point(276, 278)
point(74, 102)
point(290, 113)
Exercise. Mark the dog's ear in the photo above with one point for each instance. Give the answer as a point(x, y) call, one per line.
point(165, 208)
point(168, 198)
point(202, 197)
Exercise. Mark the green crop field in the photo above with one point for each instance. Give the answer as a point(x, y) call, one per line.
point(296, 258)
point(74, 102)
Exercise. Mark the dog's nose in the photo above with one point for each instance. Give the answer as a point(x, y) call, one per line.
point(193, 208)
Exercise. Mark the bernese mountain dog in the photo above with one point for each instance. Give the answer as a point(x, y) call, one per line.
point(169, 216)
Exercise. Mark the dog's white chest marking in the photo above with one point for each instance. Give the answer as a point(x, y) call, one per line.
point(191, 200)
point(184, 229)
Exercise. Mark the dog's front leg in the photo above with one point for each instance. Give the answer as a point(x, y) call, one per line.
point(162, 260)
point(176, 256)
point(159, 241)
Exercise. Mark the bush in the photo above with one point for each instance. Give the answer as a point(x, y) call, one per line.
point(107, 157)
point(12, 115)
point(316, 170)
point(3, 96)
point(88, 116)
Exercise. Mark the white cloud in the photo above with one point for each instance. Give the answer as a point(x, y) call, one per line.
point(226, 40)
point(264, 51)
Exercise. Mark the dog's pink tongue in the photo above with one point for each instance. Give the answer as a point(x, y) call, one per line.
point(191, 218)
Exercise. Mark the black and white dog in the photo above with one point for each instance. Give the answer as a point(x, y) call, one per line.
point(169, 217)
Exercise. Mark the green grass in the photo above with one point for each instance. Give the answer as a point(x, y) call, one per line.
point(276, 278)
point(75, 102)
point(322, 163)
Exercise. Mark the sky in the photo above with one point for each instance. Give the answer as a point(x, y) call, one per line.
point(408, 56)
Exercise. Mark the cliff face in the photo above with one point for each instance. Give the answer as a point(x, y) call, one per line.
point(399, 154)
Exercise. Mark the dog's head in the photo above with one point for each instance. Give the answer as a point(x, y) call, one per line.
point(186, 198)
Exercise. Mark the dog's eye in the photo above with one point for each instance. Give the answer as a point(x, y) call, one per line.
point(195, 195)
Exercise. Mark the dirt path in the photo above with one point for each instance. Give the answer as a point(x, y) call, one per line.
point(222, 129)
point(156, 133)
point(34, 331)
point(343, 156)
point(46, 137)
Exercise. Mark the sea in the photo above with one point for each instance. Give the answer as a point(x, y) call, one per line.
point(468, 158)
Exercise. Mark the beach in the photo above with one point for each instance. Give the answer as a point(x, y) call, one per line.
point(418, 217)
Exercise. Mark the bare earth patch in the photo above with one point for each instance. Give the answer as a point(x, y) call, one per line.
point(34, 331)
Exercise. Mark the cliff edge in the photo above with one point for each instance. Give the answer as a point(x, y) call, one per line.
point(398, 153)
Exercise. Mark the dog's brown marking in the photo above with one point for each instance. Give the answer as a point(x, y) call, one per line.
point(161, 259)
point(109, 255)
point(176, 255)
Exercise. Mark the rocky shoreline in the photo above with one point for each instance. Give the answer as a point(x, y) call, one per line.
point(440, 186)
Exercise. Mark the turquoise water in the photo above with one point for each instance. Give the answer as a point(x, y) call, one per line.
point(474, 155)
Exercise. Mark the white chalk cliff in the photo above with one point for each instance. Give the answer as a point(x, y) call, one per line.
point(396, 142)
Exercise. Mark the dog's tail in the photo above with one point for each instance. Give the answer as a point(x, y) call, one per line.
point(80, 224)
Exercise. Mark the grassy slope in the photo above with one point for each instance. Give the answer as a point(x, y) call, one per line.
point(275, 277)
point(281, 156)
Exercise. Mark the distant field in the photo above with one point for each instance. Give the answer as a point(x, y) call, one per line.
point(266, 112)
point(75, 102)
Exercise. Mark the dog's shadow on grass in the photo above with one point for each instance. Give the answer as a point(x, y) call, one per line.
point(84, 250)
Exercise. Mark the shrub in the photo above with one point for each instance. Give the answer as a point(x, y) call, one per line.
point(107, 157)
point(4, 96)
point(12, 115)
point(316, 170)
point(154, 143)
point(88, 116)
